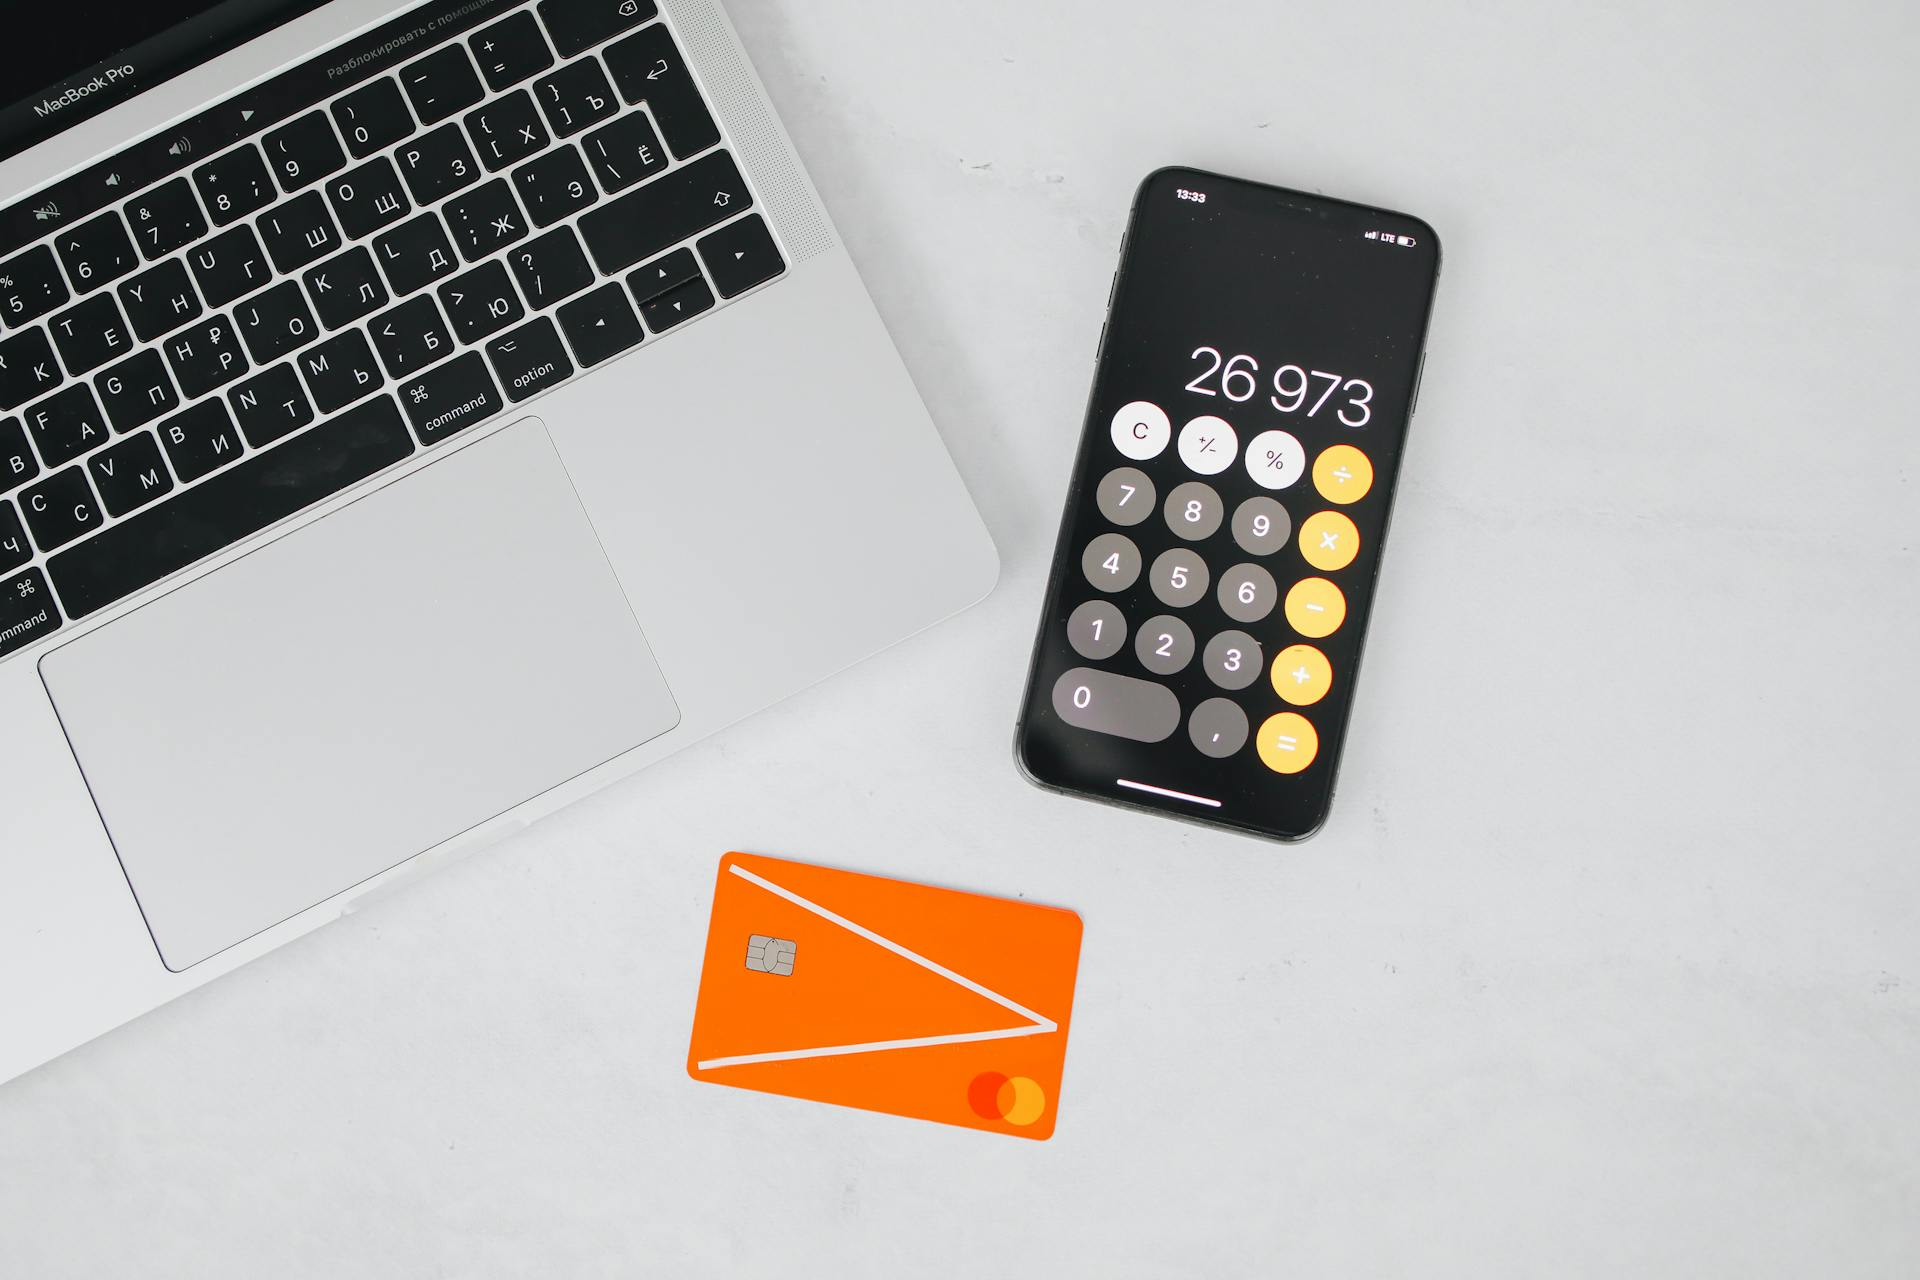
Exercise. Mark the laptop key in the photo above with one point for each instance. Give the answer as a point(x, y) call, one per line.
point(625, 152)
point(450, 398)
point(130, 474)
point(510, 50)
point(30, 286)
point(238, 502)
point(159, 300)
point(27, 610)
point(90, 333)
point(15, 550)
point(228, 265)
point(59, 509)
point(481, 302)
point(600, 325)
point(576, 96)
point(340, 371)
point(276, 322)
point(551, 267)
point(165, 218)
point(17, 463)
point(410, 336)
point(96, 252)
point(345, 288)
point(441, 84)
point(373, 117)
point(658, 214)
point(415, 254)
point(206, 356)
point(647, 67)
point(234, 185)
point(136, 391)
point(663, 273)
point(555, 186)
point(741, 255)
point(529, 359)
point(438, 164)
point(676, 305)
point(581, 24)
point(507, 130)
point(67, 424)
point(27, 368)
point(298, 232)
point(304, 151)
point(367, 198)
point(269, 405)
point(201, 440)
point(485, 220)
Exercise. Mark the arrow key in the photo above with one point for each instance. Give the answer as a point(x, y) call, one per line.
point(741, 255)
point(675, 305)
point(600, 325)
point(669, 271)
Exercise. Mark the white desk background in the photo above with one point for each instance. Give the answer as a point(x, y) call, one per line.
point(1609, 960)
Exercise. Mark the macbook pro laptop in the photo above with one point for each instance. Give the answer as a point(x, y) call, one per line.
point(412, 418)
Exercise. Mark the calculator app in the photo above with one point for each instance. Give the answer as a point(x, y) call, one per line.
point(1212, 584)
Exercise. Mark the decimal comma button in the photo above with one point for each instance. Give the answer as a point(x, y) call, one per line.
point(1287, 742)
point(1315, 608)
point(1141, 430)
point(1107, 702)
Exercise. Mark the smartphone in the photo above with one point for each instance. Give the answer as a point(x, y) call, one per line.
point(1213, 580)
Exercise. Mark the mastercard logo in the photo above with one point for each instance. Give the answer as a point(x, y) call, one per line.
point(1015, 1099)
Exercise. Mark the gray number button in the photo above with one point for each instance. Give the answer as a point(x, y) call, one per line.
point(1194, 510)
point(1232, 660)
point(1125, 495)
point(1178, 577)
point(1218, 728)
point(1096, 630)
point(1261, 526)
point(1111, 562)
point(1107, 702)
point(1164, 644)
point(1247, 593)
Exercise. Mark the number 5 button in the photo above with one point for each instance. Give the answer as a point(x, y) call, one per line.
point(1141, 430)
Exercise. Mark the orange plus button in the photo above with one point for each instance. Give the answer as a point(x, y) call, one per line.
point(1301, 675)
point(1342, 474)
point(1315, 608)
point(1287, 742)
point(1329, 541)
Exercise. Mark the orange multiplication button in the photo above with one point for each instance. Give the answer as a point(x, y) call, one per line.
point(1301, 675)
point(1287, 742)
point(1329, 541)
point(1315, 608)
point(1342, 474)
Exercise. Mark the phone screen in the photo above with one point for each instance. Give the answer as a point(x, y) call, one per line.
point(1214, 576)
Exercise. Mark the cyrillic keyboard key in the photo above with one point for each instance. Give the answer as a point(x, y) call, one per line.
point(136, 391)
point(298, 232)
point(450, 398)
point(580, 24)
point(741, 255)
point(201, 440)
point(415, 254)
point(555, 186)
point(660, 213)
point(510, 50)
point(67, 424)
point(576, 96)
point(235, 504)
point(438, 164)
point(17, 464)
point(647, 67)
point(269, 405)
point(529, 359)
point(276, 322)
point(484, 220)
point(165, 218)
point(27, 368)
point(15, 550)
point(373, 117)
point(340, 370)
point(345, 288)
point(228, 265)
point(624, 152)
point(30, 286)
point(410, 336)
point(481, 302)
point(89, 334)
point(159, 300)
point(96, 252)
point(367, 198)
point(507, 130)
point(59, 509)
point(130, 474)
point(205, 356)
point(1107, 702)
point(27, 610)
point(600, 325)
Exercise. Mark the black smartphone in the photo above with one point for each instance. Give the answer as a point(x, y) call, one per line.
point(1214, 574)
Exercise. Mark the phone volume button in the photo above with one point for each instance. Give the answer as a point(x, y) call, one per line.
point(1419, 376)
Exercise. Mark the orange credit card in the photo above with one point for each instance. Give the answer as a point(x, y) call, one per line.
point(885, 995)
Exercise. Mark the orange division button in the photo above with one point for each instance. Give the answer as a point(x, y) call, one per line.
point(1315, 608)
point(1342, 474)
point(1287, 742)
point(1301, 675)
point(1329, 541)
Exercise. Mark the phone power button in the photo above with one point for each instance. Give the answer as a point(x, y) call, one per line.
point(1419, 376)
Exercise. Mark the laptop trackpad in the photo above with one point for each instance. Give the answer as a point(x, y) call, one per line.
point(356, 692)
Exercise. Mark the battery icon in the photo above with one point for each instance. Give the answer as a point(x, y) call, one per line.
point(1405, 240)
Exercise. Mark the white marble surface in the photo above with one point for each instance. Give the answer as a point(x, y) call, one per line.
point(1608, 960)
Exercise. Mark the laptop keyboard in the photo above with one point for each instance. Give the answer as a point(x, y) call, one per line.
point(297, 289)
